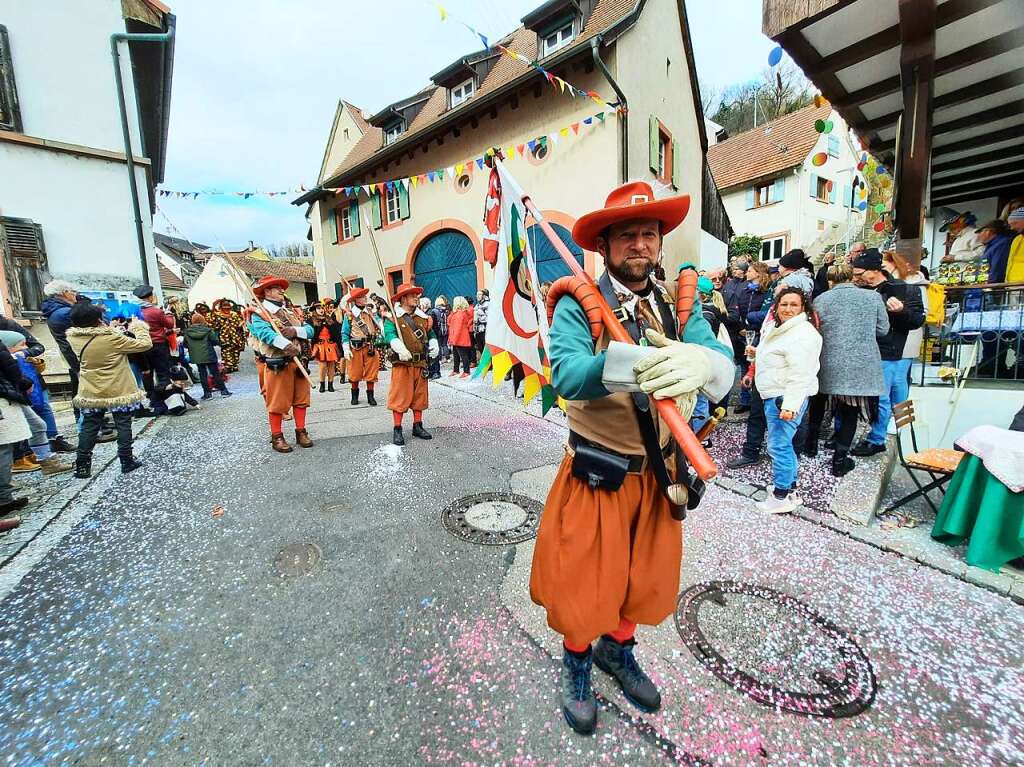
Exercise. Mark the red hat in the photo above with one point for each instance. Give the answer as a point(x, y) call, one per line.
point(359, 293)
point(405, 289)
point(270, 281)
point(627, 203)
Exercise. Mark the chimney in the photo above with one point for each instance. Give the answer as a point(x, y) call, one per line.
point(251, 245)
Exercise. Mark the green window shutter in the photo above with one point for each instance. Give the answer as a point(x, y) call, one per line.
point(353, 213)
point(779, 189)
point(813, 191)
point(403, 200)
point(337, 292)
point(653, 148)
point(675, 164)
point(332, 223)
point(750, 198)
point(375, 209)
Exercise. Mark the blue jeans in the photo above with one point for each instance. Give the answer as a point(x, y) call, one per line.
point(701, 413)
point(45, 412)
point(897, 390)
point(780, 443)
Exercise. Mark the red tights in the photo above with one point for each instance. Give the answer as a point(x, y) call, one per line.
point(276, 420)
point(622, 634)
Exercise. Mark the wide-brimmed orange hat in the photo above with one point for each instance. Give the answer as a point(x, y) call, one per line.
point(359, 293)
point(406, 289)
point(627, 203)
point(270, 281)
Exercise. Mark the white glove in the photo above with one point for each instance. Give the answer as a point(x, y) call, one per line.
point(673, 368)
point(433, 349)
point(346, 351)
point(399, 348)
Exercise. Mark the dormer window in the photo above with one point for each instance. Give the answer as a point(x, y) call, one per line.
point(392, 133)
point(462, 92)
point(559, 37)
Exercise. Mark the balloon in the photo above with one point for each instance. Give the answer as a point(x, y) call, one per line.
point(819, 159)
point(862, 205)
point(863, 192)
point(881, 170)
point(886, 183)
point(820, 101)
point(860, 166)
point(775, 56)
point(828, 185)
point(828, 126)
point(879, 226)
point(880, 207)
point(819, 125)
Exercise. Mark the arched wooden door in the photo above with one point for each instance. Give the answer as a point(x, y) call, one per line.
point(445, 264)
point(550, 265)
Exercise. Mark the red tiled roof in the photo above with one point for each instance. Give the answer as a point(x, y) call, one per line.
point(290, 270)
point(357, 116)
point(767, 149)
point(169, 279)
point(504, 71)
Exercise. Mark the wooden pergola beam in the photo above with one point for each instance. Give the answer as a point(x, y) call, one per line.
point(952, 199)
point(976, 141)
point(978, 187)
point(992, 155)
point(991, 172)
point(917, 76)
point(1001, 112)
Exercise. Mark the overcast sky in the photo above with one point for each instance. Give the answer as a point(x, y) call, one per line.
point(256, 83)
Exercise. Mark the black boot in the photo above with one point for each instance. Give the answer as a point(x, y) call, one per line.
point(83, 467)
point(398, 439)
point(617, 659)
point(323, 387)
point(578, 704)
point(419, 431)
point(842, 464)
point(355, 395)
point(129, 463)
point(811, 448)
point(330, 385)
point(369, 398)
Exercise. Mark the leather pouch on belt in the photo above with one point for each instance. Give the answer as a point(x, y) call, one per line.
point(598, 468)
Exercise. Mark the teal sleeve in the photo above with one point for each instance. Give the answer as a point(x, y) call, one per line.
point(575, 369)
point(698, 331)
point(346, 331)
point(262, 330)
point(390, 331)
point(309, 330)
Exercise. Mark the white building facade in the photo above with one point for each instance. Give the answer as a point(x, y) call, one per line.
point(65, 199)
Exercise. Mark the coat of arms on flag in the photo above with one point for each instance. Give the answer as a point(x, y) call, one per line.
point(517, 326)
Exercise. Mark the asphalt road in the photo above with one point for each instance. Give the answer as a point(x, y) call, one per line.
point(160, 631)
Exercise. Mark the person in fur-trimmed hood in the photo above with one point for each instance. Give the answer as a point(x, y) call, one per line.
point(106, 382)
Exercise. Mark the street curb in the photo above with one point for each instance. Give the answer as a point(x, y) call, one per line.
point(66, 512)
point(1003, 585)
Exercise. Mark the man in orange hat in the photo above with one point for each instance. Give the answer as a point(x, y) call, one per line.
point(410, 334)
point(609, 550)
point(358, 330)
point(282, 383)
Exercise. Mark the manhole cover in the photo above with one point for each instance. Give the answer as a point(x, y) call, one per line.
point(298, 559)
point(493, 519)
point(775, 649)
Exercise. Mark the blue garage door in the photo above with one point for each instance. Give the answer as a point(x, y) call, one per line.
point(550, 265)
point(445, 264)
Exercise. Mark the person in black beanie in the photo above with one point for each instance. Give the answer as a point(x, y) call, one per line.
point(796, 271)
point(906, 313)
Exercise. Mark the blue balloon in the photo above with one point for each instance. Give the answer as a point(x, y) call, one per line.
point(862, 205)
point(775, 56)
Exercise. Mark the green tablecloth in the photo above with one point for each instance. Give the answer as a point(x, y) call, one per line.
point(980, 509)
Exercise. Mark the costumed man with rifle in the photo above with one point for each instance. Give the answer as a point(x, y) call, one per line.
point(609, 548)
point(358, 330)
point(276, 331)
point(410, 334)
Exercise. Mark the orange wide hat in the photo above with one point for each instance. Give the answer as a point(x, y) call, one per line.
point(628, 203)
point(359, 293)
point(406, 289)
point(268, 282)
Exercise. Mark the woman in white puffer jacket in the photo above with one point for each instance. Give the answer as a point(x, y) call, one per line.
point(786, 374)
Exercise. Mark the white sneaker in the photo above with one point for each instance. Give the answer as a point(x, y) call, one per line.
point(773, 505)
point(796, 499)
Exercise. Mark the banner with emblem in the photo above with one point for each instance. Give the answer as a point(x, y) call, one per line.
point(517, 323)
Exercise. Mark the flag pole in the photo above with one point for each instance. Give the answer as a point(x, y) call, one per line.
point(695, 453)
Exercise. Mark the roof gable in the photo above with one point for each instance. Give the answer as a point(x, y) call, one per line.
point(766, 150)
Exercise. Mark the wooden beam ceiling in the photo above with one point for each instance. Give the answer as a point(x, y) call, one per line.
point(955, 196)
point(992, 172)
point(1001, 112)
point(991, 155)
point(979, 141)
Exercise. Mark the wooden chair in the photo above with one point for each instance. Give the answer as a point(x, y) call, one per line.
point(938, 463)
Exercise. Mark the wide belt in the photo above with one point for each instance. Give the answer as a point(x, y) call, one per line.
point(637, 463)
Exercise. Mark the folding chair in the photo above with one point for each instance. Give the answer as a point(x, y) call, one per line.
point(938, 463)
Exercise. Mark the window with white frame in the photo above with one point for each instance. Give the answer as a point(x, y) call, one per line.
point(391, 134)
point(461, 92)
point(772, 248)
point(345, 217)
point(559, 38)
point(393, 208)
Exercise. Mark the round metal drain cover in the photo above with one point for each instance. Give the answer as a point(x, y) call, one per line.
point(775, 649)
point(298, 559)
point(493, 519)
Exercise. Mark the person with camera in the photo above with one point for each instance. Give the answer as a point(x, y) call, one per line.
point(282, 383)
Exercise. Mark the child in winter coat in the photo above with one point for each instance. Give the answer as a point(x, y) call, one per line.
point(200, 339)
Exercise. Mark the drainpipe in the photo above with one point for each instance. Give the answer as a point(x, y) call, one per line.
point(595, 44)
point(115, 38)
